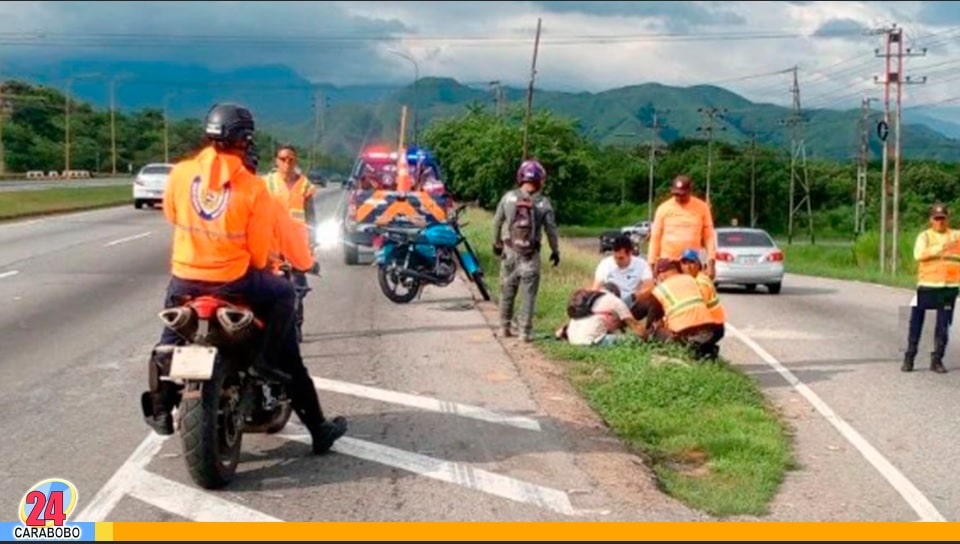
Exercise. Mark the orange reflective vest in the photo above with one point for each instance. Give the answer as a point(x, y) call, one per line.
point(709, 293)
point(937, 264)
point(222, 218)
point(293, 196)
point(290, 243)
point(683, 305)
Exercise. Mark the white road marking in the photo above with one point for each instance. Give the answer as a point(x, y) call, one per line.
point(190, 502)
point(781, 334)
point(9, 273)
point(127, 239)
point(425, 403)
point(920, 504)
point(113, 491)
point(455, 473)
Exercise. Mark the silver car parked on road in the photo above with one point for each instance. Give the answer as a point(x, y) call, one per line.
point(748, 257)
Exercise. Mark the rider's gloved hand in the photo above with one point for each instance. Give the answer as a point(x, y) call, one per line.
point(555, 258)
point(315, 269)
point(498, 250)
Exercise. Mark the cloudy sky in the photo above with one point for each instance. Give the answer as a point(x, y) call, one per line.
point(585, 46)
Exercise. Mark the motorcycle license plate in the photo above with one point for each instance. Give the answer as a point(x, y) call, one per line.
point(193, 362)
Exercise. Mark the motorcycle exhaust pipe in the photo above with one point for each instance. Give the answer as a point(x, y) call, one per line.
point(418, 275)
point(176, 319)
point(234, 321)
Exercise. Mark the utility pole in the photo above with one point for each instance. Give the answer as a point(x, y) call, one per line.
point(654, 136)
point(66, 128)
point(798, 162)
point(499, 105)
point(166, 125)
point(320, 104)
point(893, 76)
point(863, 162)
point(709, 127)
point(113, 127)
point(753, 180)
point(533, 75)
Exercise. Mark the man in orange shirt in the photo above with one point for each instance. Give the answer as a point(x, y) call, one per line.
point(682, 222)
point(225, 224)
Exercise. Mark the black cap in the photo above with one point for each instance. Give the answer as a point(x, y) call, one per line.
point(938, 210)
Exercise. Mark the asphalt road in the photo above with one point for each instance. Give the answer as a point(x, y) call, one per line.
point(441, 426)
point(891, 454)
point(40, 184)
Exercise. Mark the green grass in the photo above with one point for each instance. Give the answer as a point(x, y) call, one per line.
point(711, 436)
point(851, 261)
point(16, 204)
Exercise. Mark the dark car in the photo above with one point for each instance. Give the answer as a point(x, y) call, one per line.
point(317, 178)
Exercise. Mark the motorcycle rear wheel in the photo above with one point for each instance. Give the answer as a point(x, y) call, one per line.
point(389, 288)
point(212, 430)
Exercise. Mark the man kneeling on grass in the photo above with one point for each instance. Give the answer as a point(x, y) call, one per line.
point(678, 312)
point(597, 316)
point(690, 263)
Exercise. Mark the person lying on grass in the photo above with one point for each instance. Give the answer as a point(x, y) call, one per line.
point(597, 316)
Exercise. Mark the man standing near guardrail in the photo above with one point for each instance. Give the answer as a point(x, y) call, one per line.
point(937, 252)
point(682, 222)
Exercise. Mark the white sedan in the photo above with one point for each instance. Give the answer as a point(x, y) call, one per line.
point(150, 183)
point(748, 257)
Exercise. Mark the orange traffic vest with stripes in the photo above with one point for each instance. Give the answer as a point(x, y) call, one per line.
point(222, 215)
point(293, 196)
point(683, 305)
point(709, 293)
point(937, 266)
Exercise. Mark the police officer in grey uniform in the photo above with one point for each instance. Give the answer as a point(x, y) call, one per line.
point(522, 215)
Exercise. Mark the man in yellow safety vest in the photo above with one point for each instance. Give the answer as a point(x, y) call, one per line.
point(937, 252)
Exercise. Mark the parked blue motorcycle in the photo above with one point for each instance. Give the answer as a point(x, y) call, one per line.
point(410, 257)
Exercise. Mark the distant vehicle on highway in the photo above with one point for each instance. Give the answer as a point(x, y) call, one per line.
point(748, 257)
point(640, 228)
point(317, 177)
point(150, 183)
point(639, 232)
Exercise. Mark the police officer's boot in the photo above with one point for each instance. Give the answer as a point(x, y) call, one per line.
point(936, 362)
point(323, 432)
point(157, 403)
point(908, 359)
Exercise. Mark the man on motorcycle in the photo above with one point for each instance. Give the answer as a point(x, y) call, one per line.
point(225, 225)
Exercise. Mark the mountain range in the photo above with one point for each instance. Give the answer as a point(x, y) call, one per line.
point(283, 102)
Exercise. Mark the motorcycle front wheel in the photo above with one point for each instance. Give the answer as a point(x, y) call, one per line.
point(391, 284)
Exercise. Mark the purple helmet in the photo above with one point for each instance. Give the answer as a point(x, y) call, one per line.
point(531, 171)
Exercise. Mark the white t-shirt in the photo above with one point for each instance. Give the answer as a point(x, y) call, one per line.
point(627, 279)
point(608, 312)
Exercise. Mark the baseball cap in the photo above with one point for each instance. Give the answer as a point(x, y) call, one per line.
point(681, 185)
point(938, 210)
point(690, 255)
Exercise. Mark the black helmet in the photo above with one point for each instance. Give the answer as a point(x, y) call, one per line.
point(230, 125)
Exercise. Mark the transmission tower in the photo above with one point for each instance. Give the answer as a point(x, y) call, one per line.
point(893, 56)
point(709, 127)
point(499, 98)
point(863, 162)
point(799, 176)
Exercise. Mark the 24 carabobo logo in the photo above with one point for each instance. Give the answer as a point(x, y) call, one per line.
point(44, 510)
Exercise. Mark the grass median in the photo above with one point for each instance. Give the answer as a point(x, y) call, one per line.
point(18, 204)
point(713, 440)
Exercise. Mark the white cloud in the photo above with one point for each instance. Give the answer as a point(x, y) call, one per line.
point(496, 41)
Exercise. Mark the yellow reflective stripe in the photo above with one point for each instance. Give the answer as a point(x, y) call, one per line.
point(714, 297)
point(675, 304)
point(211, 233)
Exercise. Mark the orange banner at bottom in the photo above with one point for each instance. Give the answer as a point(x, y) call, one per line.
point(532, 531)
